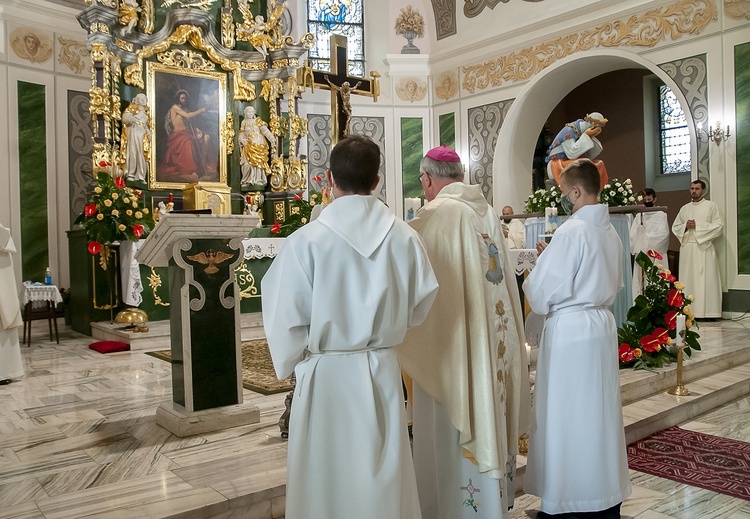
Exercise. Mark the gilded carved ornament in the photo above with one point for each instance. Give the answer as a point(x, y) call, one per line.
point(203, 5)
point(243, 90)
point(227, 132)
point(124, 45)
point(228, 36)
point(186, 59)
point(646, 30)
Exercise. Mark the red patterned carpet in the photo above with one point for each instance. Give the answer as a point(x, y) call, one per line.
point(696, 459)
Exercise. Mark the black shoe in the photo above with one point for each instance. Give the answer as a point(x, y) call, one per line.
point(5, 382)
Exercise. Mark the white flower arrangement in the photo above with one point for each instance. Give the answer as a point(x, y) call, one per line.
point(619, 192)
point(540, 199)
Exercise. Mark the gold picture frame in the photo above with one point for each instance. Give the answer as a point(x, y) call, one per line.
point(188, 111)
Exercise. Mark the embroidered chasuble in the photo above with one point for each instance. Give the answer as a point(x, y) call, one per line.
point(467, 362)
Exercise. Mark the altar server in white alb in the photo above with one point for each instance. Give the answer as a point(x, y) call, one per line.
point(11, 363)
point(577, 460)
point(338, 297)
point(467, 360)
point(697, 225)
point(648, 231)
point(514, 230)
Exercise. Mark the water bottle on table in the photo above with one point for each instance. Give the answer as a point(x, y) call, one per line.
point(48, 276)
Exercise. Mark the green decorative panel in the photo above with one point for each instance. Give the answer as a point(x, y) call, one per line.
point(249, 274)
point(32, 168)
point(742, 134)
point(411, 154)
point(447, 125)
point(210, 309)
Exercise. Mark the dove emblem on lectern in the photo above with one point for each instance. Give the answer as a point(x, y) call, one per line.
point(210, 258)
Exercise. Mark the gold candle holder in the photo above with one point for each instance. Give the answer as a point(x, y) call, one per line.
point(679, 389)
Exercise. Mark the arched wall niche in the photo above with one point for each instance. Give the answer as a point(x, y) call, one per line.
point(512, 160)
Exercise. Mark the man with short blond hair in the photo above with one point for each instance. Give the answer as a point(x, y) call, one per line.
point(577, 391)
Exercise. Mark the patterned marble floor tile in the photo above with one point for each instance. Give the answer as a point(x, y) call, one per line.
point(104, 474)
point(21, 470)
point(20, 492)
point(650, 514)
point(743, 513)
point(107, 498)
point(43, 450)
point(641, 500)
point(697, 503)
point(24, 511)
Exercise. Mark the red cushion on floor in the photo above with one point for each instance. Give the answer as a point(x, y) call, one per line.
point(109, 346)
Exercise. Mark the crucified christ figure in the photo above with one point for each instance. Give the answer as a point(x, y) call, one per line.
point(345, 93)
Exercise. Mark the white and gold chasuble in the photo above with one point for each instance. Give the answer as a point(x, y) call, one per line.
point(467, 362)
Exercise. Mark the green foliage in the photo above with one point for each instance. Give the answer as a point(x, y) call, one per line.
point(115, 212)
point(645, 340)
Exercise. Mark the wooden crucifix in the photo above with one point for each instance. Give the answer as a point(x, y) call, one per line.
point(341, 85)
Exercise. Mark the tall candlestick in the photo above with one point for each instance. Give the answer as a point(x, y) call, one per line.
point(679, 329)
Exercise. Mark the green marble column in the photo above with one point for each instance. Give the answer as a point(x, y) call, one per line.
point(742, 135)
point(32, 168)
point(412, 152)
point(447, 125)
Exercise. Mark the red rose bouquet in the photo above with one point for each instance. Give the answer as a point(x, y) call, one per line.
point(114, 212)
point(646, 339)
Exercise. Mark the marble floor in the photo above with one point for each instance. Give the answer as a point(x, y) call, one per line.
point(78, 439)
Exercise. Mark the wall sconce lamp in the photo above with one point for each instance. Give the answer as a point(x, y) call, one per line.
point(718, 135)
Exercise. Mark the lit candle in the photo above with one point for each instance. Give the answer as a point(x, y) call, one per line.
point(679, 339)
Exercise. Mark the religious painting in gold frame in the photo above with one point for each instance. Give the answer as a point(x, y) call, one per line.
point(188, 110)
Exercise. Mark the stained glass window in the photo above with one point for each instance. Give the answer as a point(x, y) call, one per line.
point(344, 17)
point(674, 136)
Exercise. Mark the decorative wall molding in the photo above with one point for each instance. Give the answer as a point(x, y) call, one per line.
point(691, 76)
point(31, 44)
point(737, 9)
point(484, 126)
point(669, 22)
point(445, 18)
point(411, 89)
point(446, 85)
point(472, 8)
point(80, 144)
point(319, 146)
point(73, 54)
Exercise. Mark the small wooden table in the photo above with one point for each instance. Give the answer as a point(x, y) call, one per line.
point(51, 296)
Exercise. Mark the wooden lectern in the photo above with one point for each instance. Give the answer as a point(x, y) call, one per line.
point(202, 252)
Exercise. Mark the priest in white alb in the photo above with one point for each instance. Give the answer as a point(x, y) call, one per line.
point(337, 298)
point(11, 363)
point(514, 229)
point(697, 225)
point(648, 231)
point(467, 360)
